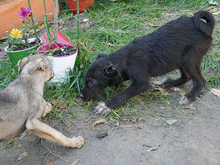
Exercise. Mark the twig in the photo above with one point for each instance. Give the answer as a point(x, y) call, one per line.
point(74, 163)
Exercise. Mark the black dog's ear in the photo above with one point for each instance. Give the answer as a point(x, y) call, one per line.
point(100, 55)
point(110, 70)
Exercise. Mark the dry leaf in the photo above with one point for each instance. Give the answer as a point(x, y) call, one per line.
point(181, 91)
point(85, 26)
point(189, 107)
point(120, 31)
point(109, 44)
point(22, 156)
point(102, 135)
point(210, 8)
point(79, 101)
point(50, 163)
point(135, 126)
point(165, 107)
point(157, 89)
point(152, 24)
point(215, 92)
point(164, 92)
point(94, 49)
point(61, 104)
point(216, 13)
point(154, 148)
point(81, 66)
point(58, 103)
point(189, 112)
point(101, 121)
point(88, 58)
point(53, 101)
point(85, 19)
point(171, 121)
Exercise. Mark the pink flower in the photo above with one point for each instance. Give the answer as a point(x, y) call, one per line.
point(24, 12)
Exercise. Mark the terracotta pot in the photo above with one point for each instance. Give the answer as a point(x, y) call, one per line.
point(83, 5)
point(9, 10)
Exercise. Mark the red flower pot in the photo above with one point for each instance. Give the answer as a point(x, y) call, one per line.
point(83, 5)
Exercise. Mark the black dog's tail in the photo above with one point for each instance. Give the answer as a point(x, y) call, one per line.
point(206, 26)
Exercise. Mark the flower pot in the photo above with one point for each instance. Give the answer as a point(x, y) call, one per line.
point(9, 8)
point(61, 38)
point(83, 5)
point(61, 65)
point(15, 56)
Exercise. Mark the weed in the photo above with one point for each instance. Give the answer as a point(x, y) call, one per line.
point(9, 144)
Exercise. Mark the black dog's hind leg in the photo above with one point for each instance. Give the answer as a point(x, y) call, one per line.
point(183, 79)
point(135, 88)
point(198, 83)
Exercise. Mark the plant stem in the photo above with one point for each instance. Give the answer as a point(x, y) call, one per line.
point(32, 18)
point(78, 19)
point(55, 21)
point(47, 25)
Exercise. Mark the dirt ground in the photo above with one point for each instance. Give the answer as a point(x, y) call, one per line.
point(194, 139)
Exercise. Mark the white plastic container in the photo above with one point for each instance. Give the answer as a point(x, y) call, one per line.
point(62, 64)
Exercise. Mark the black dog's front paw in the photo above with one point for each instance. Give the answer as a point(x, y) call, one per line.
point(184, 100)
point(101, 109)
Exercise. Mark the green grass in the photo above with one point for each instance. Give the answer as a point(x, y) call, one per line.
point(184, 4)
point(117, 24)
point(7, 73)
point(211, 62)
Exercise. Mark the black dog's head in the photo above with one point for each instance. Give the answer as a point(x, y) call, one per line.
point(100, 74)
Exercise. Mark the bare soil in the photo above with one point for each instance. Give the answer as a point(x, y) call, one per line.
point(194, 139)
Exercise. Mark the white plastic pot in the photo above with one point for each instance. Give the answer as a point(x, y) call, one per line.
point(61, 65)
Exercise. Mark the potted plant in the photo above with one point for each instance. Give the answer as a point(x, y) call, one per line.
point(19, 44)
point(58, 49)
point(62, 56)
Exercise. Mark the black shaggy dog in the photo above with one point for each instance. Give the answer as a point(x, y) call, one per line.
point(179, 44)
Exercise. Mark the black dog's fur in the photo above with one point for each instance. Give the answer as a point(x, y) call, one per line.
point(179, 44)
